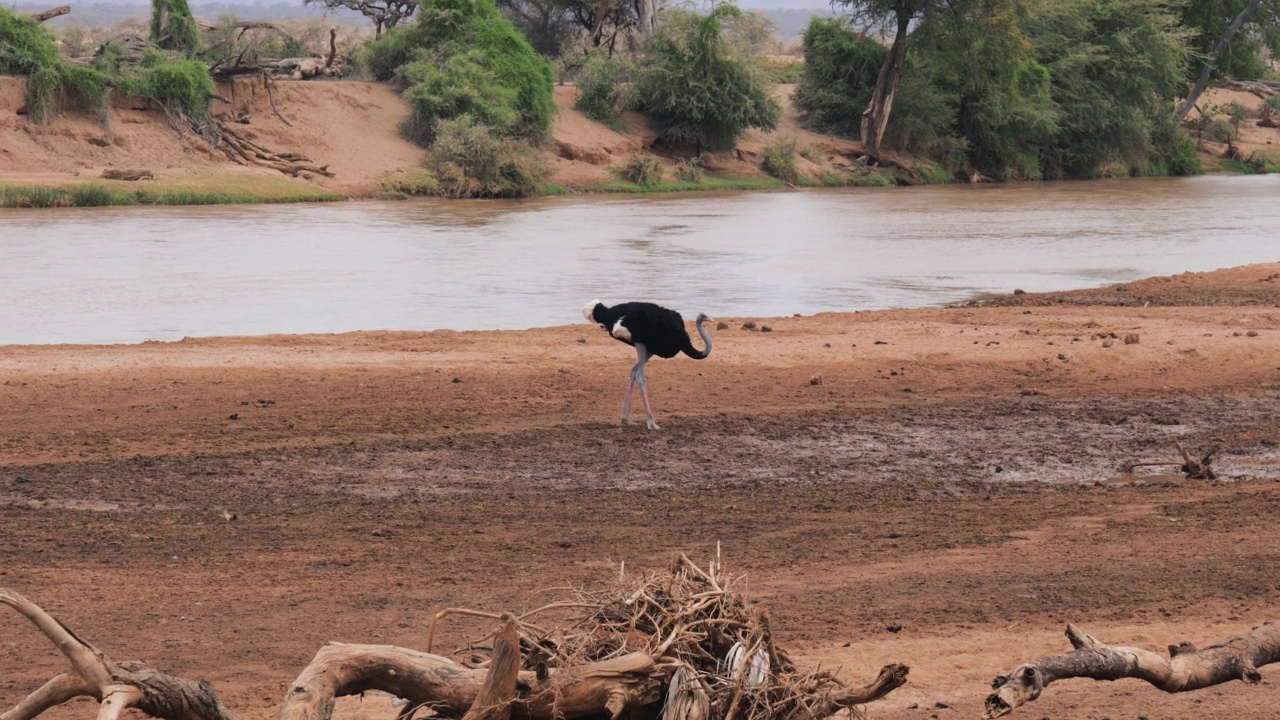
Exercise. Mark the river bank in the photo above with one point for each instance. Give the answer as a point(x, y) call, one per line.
point(939, 487)
point(352, 128)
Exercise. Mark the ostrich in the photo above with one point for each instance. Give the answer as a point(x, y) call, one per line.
point(652, 330)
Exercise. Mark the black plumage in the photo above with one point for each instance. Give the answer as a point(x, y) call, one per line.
point(653, 331)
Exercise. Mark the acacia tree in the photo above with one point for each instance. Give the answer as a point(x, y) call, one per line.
point(1260, 18)
point(385, 14)
point(898, 14)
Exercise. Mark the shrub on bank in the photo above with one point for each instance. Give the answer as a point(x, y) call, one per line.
point(469, 160)
point(461, 57)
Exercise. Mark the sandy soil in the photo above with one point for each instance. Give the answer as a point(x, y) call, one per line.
point(954, 473)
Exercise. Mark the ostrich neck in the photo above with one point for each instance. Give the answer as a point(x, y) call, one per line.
point(706, 339)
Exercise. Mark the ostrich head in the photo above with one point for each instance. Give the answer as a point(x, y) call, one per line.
point(703, 317)
point(588, 310)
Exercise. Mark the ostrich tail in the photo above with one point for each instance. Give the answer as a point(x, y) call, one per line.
point(589, 310)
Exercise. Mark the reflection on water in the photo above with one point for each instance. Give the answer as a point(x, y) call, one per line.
point(129, 274)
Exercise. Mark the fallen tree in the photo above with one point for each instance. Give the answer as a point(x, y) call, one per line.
point(675, 645)
point(1186, 668)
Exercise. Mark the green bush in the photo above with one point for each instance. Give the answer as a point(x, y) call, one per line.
point(459, 85)
point(838, 75)
point(180, 84)
point(922, 123)
point(27, 48)
point(599, 88)
point(694, 90)
point(1172, 151)
point(470, 160)
point(642, 170)
point(691, 170)
point(780, 160)
point(1220, 130)
point(25, 45)
point(461, 57)
point(1268, 111)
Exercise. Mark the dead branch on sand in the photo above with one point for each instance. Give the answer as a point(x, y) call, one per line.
point(677, 645)
point(1191, 467)
point(117, 685)
point(1186, 669)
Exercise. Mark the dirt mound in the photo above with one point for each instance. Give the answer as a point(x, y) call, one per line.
point(1247, 285)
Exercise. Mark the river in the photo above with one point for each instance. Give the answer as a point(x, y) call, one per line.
point(105, 275)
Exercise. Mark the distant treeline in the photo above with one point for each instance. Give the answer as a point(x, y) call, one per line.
point(99, 14)
point(790, 23)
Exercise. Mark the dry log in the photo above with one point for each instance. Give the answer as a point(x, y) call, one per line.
point(116, 685)
point(1186, 669)
point(113, 174)
point(451, 688)
point(51, 13)
point(333, 48)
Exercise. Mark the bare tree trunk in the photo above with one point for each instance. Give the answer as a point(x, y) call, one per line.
point(876, 117)
point(51, 13)
point(1203, 81)
point(596, 34)
point(646, 17)
point(1186, 669)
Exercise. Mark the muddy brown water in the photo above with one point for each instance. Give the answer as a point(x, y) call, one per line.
point(133, 274)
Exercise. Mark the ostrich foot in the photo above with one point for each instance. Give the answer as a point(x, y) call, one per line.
point(653, 424)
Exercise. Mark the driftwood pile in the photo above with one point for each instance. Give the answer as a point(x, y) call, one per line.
point(680, 644)
point(714, 653)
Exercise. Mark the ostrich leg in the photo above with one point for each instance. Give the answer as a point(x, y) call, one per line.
point(626, 402)
point(637, 375)
point(644, 395)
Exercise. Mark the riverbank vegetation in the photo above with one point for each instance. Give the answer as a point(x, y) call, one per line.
point(170, 78)
point(918, 91)
point(101, 193)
